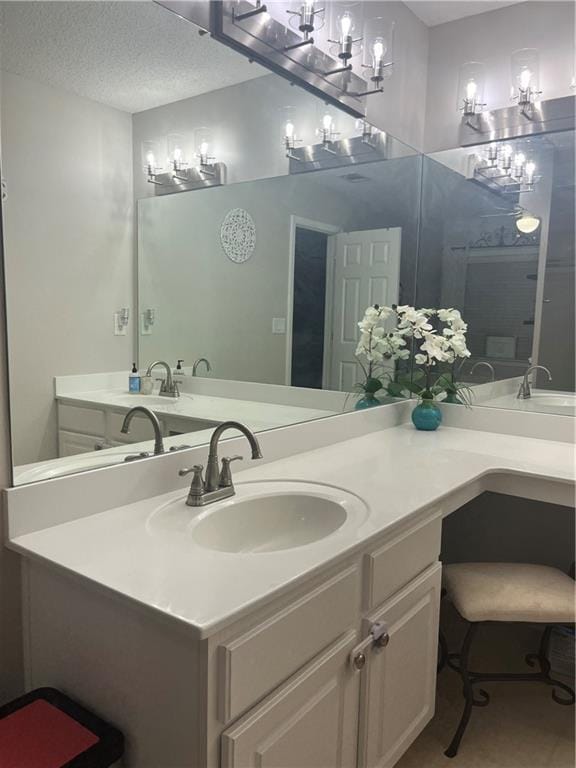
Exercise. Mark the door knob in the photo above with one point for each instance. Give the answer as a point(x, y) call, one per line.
point(359, 661)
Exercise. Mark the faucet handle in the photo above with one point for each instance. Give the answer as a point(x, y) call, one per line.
point(197, 485)
point(225, 479)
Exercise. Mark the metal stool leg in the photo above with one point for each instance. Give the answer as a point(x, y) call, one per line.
point(542, 659)
point(468, 692)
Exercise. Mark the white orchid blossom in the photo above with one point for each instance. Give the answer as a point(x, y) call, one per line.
point(435, 344)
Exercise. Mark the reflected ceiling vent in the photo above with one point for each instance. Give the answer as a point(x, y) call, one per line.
point(354, 178)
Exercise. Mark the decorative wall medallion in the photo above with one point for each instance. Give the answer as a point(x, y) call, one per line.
point(238, 235)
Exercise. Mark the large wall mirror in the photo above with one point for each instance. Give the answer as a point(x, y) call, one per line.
point(167, 202)
point(497, 242)
point(165, 211)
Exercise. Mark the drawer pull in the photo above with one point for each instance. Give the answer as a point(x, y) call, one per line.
point(376, 640)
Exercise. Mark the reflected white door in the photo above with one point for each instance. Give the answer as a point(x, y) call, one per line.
point(366, 271)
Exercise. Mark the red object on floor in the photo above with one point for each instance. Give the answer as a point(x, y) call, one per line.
point(41, 736)
point(46, 729)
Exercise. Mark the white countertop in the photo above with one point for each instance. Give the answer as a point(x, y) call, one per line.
point(398, 472)
point(255, 415)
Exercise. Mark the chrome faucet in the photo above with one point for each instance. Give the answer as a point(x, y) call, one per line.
point(168, 388)
point(488, 365)
point(197, 363)
point(158, 441)
point(524, 392)
point(218, 483)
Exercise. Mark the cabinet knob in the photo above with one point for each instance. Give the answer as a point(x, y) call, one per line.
point(359, 661)
point(382, 641)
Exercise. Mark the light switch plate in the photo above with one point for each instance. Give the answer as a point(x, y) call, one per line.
point(119, 329)
point(145, 328)
point(279, 325)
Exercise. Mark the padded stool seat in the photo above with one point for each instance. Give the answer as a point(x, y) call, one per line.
point(511, 592)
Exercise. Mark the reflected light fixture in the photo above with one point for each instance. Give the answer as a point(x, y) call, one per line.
point(290, 139)
point(377, 58)
point(527, 223)
point(150, 167)
point(343, 43)
point(305, 17)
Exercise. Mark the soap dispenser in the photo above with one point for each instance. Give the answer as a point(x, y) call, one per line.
point(178, 372)
point(134, 380)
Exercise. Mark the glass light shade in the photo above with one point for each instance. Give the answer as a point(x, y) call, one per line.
point(525, 72)
point(152, 156)
point(527, 223)
point(176, 158)
point(326, 123)
point(346, 29)
point(203, 146)
point(378, 50)
point(471, 84)
point(306, 16)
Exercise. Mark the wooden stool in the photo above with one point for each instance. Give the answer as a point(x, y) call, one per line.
point(507, 592)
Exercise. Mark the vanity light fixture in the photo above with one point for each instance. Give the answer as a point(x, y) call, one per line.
point(207, 162)
point(377, 52)
point(527, 223)
point(176, 161)
point(290, 140)
point(327, 132)
point(152, 170)
point(525, 70)
point(258, 9)
point(471, 88)
point(305, 17)
point(345, 20)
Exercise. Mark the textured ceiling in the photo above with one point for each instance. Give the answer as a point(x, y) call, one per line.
point(433, 13)
point(129, 55)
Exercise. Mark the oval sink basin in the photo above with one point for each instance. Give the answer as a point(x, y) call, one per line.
point(266, 516)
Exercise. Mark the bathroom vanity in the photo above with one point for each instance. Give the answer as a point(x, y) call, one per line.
point(308, 639)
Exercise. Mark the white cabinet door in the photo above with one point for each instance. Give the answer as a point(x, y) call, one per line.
point(367, 271)
point(309, 722)
point(399, 681)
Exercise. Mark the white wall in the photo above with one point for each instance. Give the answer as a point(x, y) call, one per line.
point(492, 38)
point(68, 227)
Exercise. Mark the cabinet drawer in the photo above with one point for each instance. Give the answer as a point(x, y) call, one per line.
point(71, 443)
point(255, 663)
point(140, 428)
point(398, 561)
point(89, 421)
point(311, 720)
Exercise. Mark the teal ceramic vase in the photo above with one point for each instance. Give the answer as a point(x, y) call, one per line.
point(427, 416)
point(368, 400)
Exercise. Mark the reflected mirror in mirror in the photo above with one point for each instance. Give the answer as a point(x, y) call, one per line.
point(256, 286)
point(497, 243)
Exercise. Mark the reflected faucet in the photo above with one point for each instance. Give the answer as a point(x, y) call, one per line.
point(524, 392)
point(197, 363)
point(218, 484)
point(168, 388)
point(158, 441)
point(488, 365)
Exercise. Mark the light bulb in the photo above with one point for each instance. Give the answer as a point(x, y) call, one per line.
point(150, 160)
point(378, 50)
point(527, 223)
point(345, 25)
point(525, 78)
point(177, 155)
point(530, 169)
point(471, 90)
point(519, 160)
point(327, 122)
point(204, 149)
point(289, 130)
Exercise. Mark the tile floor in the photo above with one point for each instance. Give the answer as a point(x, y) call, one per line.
point(520, 728)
